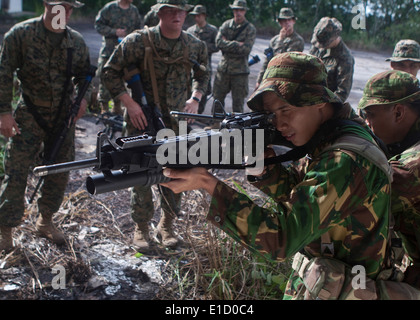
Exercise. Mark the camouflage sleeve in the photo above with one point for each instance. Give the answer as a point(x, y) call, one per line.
point(200, 78)
point(10, 60)
point(406, 200)
point(102, 22)
point(81, 68)
point(232, 47)
point(344, 77)
point(211, 44)
point(128, 52)
point(306, 208)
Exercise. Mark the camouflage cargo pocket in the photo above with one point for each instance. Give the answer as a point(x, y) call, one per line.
point(330, 279)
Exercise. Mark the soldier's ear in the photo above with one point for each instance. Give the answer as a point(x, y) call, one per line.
point(399, 112)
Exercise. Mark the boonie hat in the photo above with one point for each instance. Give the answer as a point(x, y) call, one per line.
point(180, 4)
point(326, 31)
point(286, 13)
point(390, 87)
point(74, 3)
point(239, 4)
point(406, 50)
point(198, 9)
point(299, 79)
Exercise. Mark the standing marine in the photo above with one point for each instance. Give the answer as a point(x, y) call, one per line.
point(235, 39)
point(114, 21)
point(166, 58)
point(51, 61)
point(205, 32)
point(337, 58)
point(286, 41)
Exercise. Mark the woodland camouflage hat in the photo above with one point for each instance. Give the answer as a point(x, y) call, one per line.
point(298, 78)
point(198, 9)
point(180, 4)
point(390, 87)
point(286, 13)
point(326, 31)
point(74, 3)
point(239, 4)
point(406, 50)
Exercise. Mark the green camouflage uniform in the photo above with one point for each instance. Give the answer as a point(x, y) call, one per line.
point(110, 18)
point(335, 191)
point(39, 57)
point(338, 60)
point(207, 34)
point(294, 42)
point(387, 88)
point(174, 89)
point(233, 70)
point(151, 19)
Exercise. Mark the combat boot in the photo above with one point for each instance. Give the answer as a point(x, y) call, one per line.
point(117, 109)
point(6, 241)
point(141, 237)
point(165, 230)
point(46, 229)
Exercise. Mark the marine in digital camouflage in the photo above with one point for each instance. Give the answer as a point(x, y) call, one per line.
point(332, 191)
point(207, 34)
point(175, 82)
point(293, 42)
point(110, 18)
point(338, 60)
point(233, 70)
point(39, 57)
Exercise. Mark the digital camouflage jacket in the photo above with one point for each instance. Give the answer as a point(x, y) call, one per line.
point(337, 191)
point(340, 67)
point(294, 42)
point(175, 81)
point(235, 56)
point(110, 18)
point(26, 49)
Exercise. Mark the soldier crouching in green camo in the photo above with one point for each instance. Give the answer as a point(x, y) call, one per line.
point(168, 52)
point(391, 106)
point(46, 58)
point(332, 203)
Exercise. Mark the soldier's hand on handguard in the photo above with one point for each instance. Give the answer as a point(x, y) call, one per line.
point(8, 125)
point(137, 117)
point(190, 179)
point(191, 106)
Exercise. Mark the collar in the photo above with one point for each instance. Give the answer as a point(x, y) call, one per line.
point(412, 137)
point(41, 32)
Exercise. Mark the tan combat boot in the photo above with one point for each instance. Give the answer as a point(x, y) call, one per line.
point(164, 228)
point(117, 109)
point(46, 229)
point(6, 241)
point(141, 237)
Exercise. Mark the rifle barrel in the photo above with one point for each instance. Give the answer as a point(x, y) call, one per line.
point(65, 167)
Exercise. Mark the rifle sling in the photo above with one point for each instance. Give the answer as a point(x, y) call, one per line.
point(33, 109)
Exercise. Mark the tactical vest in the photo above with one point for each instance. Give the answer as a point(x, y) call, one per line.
point(326, 278)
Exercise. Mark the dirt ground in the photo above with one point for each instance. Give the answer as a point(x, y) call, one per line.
point(98, 261)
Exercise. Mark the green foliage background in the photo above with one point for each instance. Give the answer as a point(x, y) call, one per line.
point(388, 21)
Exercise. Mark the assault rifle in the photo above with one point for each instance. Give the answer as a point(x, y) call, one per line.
point(139, 160)
point(113, 123)
point(66, 126)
